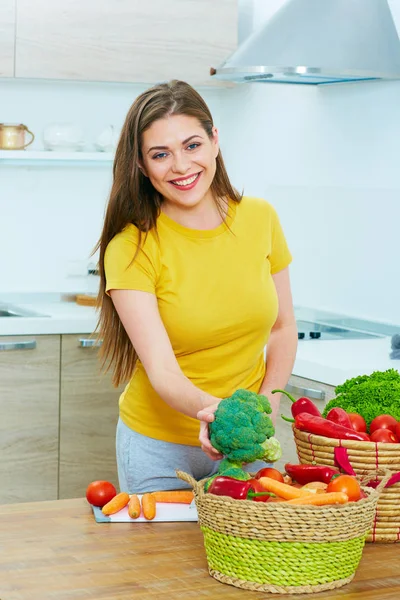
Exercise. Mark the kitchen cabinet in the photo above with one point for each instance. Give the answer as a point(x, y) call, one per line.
point(124, 41)
point(29, 408)
point(88, 418)
point(319, 392)
point(7, 37)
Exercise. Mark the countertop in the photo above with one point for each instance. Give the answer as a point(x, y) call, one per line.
point(326, 361)
point(56, 551)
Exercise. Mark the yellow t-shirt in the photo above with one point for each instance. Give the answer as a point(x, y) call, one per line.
point(217, 301)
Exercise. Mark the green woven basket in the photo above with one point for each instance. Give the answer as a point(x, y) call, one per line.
point(281, 548)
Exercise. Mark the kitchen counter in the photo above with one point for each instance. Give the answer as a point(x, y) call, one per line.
point(327, 361)
point(56, 551)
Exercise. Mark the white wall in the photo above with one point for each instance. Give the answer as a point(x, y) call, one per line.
point(52, 215)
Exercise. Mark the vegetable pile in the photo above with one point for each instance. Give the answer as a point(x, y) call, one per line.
point(301, 484)
point(358, 411)
point(369, 395)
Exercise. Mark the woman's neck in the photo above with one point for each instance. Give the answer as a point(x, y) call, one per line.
point(204, 216)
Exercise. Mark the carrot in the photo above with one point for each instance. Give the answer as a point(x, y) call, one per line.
point(134, 508)
point(321, 499)
point(283, 490)
point(179, 496)
point(116, 504)
point(149, 506)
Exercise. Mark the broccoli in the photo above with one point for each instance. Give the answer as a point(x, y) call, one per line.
point(369, 395)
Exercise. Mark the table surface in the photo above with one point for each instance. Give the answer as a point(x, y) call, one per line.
point(56, 551)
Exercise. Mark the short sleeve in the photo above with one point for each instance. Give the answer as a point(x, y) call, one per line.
point(123, 270)
point(280, 256)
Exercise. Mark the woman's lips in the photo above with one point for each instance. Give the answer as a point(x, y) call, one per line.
point(186, 183)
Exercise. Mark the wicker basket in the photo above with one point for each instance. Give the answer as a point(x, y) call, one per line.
point(364, 457)
point(280, 548)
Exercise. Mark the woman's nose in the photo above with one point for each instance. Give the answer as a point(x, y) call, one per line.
point(181, 163)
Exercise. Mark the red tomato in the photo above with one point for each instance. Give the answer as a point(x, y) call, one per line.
point(385, 436)
point(99, 493)
point(397, 432)
point(347, 484)
point(269, 472)
point(358, 422)
point(383, 422)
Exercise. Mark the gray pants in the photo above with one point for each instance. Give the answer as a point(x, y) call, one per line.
point(148, 465)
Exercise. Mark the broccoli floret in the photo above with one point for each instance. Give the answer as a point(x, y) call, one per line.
point(369, 395)
point(241, 426)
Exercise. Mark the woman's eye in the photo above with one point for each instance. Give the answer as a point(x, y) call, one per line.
point(193, 146)
point(160, 155)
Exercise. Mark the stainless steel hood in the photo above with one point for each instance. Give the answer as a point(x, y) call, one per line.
point(319, 42)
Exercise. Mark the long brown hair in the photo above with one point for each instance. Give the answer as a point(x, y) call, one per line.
point(133, 199)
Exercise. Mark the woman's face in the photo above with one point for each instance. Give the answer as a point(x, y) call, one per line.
point(180, 160)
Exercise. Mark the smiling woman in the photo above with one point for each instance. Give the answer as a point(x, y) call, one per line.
point(194, 283)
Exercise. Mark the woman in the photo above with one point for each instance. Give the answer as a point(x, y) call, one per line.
point(194, 282)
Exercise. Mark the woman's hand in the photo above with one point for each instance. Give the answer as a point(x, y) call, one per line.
point(206, 416)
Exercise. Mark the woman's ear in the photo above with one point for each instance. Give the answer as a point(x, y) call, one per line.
point(215, 140)
point(142, 169)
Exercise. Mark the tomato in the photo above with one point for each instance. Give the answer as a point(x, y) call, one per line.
point(269, 472)
point(383, 422)
point(99, 493)
point(397, 432)
point(358, 422)
point(347, 484)
point(385, 436)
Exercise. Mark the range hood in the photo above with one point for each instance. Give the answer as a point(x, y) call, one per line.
point(319, 42)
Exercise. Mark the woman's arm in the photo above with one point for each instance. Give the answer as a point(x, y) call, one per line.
point(282, 344)
point(141, 319)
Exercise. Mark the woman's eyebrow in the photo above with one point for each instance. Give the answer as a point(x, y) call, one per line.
point(166, 147)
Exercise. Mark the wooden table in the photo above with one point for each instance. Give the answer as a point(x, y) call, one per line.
point(56, 551)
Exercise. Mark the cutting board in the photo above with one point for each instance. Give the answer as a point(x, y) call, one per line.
point(166, 512)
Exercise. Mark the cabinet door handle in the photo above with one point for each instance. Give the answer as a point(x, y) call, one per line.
point(28, 345)
point(89, 343)
point(309, 392)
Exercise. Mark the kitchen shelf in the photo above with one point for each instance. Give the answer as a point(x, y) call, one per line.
point(43, 156)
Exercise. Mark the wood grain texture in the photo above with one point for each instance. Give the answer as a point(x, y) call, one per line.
point(56, 551)
point(88, 419)
point(29, 409)
point(7, 37)
point(128, 40)
point(284, 430)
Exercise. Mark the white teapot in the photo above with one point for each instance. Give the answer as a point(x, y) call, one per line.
point(107, 140)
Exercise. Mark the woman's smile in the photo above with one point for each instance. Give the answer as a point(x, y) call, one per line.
point(186, 183)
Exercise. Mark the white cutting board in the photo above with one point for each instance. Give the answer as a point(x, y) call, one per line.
point(165, 512)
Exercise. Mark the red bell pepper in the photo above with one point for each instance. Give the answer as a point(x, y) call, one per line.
point(339, 415)
point(306, 473)
point(235, 488)
point(302, 405)
point(321, 426)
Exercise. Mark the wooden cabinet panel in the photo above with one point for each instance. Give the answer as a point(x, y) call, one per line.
point(7, 37)
point(284, 433)
point(127, 40)
point(88, 419)
point(29, 408)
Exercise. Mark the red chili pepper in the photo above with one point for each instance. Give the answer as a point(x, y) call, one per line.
point(302, 405)
point(235, 488)
point(339, 415)
point(321, 426)
point(306, 473)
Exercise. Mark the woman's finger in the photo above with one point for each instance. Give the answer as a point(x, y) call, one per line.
point(206, 444)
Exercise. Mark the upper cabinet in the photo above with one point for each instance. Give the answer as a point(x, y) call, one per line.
point(7, 37)
point(124, 40)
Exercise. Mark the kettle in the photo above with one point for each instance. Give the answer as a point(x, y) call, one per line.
point(12, 136)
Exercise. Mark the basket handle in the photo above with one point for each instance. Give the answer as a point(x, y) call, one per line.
point(370, 479)
point(342, 460)
point(188, 478)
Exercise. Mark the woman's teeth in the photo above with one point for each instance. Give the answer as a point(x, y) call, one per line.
point(186, 181)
